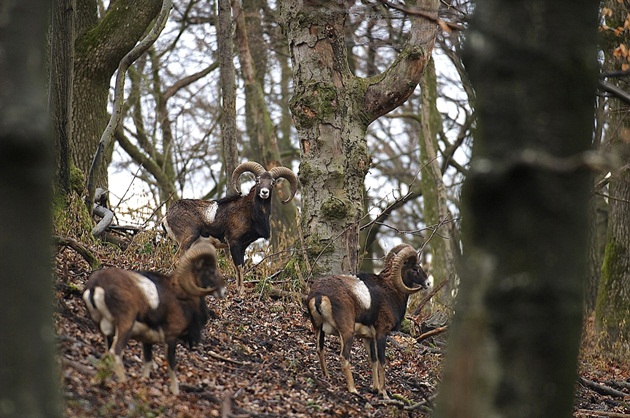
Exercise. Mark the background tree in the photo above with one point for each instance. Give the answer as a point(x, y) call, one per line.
point(28, 378)
point(612, 310)
point(518, 316)
point(332, 109)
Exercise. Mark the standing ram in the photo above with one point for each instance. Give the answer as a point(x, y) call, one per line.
point(154, 308)
point(237, 220)
point(369, 306)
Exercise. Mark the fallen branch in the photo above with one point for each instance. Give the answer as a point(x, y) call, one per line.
point(431, 333)
point(81, 249)
point(81, 368)
point(601, 389)
point(589, 413)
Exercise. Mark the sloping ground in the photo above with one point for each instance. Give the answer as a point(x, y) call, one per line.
point(257, 359)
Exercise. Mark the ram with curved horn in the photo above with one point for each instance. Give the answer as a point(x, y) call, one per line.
point(368, 306)
point(236, 220)
point(155, 308)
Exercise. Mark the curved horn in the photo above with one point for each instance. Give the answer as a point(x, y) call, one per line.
point(247, 166)
point(184, 276)
point(393, 252)
point(396, 271)
point(287, 174)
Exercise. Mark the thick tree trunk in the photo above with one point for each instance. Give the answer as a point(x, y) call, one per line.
point(515, 339)
point(99, 47)
point(332, 109)
point(61, 58)
point(612, 310)
point(613, 300)
point(28, 379)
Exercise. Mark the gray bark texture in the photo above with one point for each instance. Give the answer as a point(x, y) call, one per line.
point(332, 109)
point(28, 377)
point(515, 338)
point(225, 41)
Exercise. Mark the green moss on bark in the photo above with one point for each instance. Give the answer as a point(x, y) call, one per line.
point(613, 305)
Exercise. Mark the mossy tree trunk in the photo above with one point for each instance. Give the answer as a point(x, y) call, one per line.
point(442, 240)
point(29, 381)
point(99, 47)
point(612, 309)
point(515, 338)
point(332, 109)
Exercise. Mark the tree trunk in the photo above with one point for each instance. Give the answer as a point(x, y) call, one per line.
point(61, 58)
point(261, 131)
point(99, 47)
point(436, 214)
point(515, 338)
point(612, 310)
point(228, 90)
point(332, 109)
point(613, 300)
point(28, 377)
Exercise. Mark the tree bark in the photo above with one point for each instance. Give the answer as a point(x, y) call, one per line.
point(228, 89)
point(442, 240)
point(515, 338)
point(332, 109)
point(28, 376)
point(99, 47)
point(61, 60)
point(612, 310)
point(261, 131)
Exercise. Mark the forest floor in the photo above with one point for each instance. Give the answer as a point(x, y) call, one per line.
point(257, 359)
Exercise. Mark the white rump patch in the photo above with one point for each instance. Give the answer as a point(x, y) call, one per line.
point(168, 229)
point(211, 212)
point(148, 288)
point(360, 290)
point(100, 312)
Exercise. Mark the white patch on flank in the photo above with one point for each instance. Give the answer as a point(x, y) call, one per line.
point(364, 331)
point(148, 288)
point(211, 212)
point(148, 335)
point(360, 290)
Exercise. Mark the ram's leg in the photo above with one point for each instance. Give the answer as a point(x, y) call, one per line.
point(170, 357)
point(147, 351)
point(121, 337)
point(346, 346)
point(239, 279)
point(321, 337)
point(370, 348)
point(380, 348)
point(109, 340)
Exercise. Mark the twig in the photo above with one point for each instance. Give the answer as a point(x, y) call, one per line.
point(428, 297)
point(444, 25)
point(229, 360)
